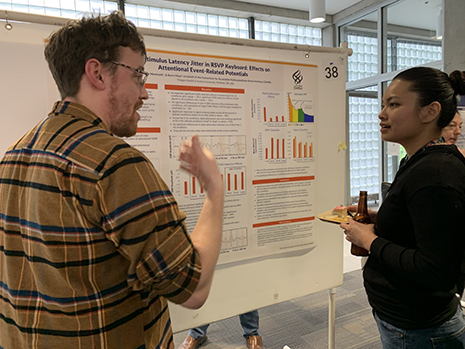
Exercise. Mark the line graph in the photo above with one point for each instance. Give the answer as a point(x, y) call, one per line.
point(218, 145)
point(234, 239)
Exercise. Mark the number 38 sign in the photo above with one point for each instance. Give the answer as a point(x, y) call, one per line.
point(334, 69)
point(331, 72)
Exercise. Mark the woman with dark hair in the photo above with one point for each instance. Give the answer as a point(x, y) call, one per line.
point(417, 241)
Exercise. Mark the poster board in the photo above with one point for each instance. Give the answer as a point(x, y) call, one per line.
point(252, 277)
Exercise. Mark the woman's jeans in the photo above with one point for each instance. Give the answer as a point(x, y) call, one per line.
point(450, 335)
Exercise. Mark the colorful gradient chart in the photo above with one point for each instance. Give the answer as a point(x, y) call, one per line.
point(300, 108)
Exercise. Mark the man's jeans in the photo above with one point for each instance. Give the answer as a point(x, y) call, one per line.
point(249, 323)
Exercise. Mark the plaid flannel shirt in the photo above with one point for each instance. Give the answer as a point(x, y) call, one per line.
point(92, 243)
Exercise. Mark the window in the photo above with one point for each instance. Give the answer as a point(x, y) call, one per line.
point(364, 143)
point(364, 61)
point(282, 32)
point(364, 133)
point(410, 53)
point(186, 21)
point(59, 8)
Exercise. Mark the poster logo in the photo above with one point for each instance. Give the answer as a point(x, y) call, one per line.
point(298, 77)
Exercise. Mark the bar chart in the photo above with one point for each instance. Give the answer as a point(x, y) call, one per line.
point(270, 108)
point(191, 187)
point(235, 181)
point(276, 149)
point(301, 150)
point(272, 119)
point(302, 147)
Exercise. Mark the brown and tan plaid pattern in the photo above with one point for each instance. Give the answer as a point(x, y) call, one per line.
point(92, 243)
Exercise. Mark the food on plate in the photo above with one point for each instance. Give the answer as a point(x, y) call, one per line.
point(340, 211)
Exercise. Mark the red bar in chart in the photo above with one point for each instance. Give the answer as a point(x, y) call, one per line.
point(276, 149)
point(276, 118)
point(191, 187)
point(301, 151)
point(272, 139)
point(236, 180)
point(294, 145)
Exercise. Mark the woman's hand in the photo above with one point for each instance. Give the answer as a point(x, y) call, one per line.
point(373, 214)
point(359, 234)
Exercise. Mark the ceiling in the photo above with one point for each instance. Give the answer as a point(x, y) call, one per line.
point(332, 6)
point(412, 13)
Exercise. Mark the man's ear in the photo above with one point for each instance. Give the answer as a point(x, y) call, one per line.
point(95, 74)
point(430, 112)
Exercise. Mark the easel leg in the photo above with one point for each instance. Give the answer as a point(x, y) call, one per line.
point(332, 318)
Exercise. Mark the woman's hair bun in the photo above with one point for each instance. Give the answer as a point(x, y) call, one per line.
point(457, 80)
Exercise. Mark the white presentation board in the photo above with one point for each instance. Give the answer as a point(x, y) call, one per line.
point(275, 119)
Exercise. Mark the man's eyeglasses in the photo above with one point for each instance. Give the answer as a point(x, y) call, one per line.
point(143, 75)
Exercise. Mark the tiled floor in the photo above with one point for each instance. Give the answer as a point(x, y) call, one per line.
point(302, 323)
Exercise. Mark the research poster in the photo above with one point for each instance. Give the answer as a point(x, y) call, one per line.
point(258, 117)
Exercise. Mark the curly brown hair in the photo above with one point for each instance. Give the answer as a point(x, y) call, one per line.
point(98, 37)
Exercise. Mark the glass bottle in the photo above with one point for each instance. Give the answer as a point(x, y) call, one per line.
point(361, 216)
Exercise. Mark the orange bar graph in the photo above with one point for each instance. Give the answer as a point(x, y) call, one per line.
point(266, 153)
point(201, 190)
point(242, 180)
point(283, 146)
point(193, 185)
point(264, 113)
point(283, 118)
point(235, 181)
point(294, 146)
point(307, 149)
point(276, 119)
point(185, 188)
point(272, 140)
point(229, 182)
point(277, 149)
